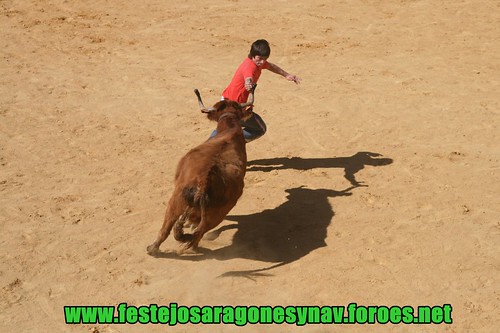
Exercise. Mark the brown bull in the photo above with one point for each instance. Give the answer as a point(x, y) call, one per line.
point(209, 178)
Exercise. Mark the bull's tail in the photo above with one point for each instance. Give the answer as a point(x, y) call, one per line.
point(197, 198)
point(201, 228)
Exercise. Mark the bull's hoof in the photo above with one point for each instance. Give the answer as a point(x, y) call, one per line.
point(190, 251)
point(152, 249)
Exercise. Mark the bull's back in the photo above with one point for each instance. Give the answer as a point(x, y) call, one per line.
point(214, 169)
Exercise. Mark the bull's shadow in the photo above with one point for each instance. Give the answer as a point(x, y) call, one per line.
point(284, 234)
point(351, 164)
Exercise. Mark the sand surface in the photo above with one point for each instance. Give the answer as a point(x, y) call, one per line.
point(377, 182)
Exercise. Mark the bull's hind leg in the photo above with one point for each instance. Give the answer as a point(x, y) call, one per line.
point(171, 218)
point(179, 234)
point(208, 221)
point(195, 239)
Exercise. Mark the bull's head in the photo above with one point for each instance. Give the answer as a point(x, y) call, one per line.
point(242, 110)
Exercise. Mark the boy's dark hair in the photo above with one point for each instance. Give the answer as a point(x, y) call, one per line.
point(260, 48)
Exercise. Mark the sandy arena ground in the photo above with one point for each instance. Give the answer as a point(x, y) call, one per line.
point(377, 182)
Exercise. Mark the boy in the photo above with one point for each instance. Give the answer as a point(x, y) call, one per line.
point(246, 76)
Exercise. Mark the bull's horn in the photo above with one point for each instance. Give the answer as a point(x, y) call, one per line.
point(250, 97)
point(200, 102)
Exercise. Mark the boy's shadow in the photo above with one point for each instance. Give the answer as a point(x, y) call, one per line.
point(351, 164)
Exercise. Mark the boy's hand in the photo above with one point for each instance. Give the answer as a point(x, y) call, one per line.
point(248, 83)
point(294, 78)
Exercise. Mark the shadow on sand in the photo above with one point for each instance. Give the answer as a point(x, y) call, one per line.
point(351, 164)
point(292, 230)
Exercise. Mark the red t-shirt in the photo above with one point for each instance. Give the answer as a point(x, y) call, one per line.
point(236, 90)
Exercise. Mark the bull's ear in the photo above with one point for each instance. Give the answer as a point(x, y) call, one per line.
point(221, 105)
point(247, 112)
point(211, 114)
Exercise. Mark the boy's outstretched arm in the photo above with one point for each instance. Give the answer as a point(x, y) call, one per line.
point(278, 70)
